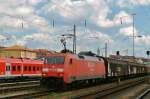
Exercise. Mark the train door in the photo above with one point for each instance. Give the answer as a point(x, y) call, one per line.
point(8, 70)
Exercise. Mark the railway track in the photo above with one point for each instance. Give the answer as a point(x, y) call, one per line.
point(18, 83)
point(21, 90)
point(8, 87)
point(25, 94)
point(104, 90)
point(144, 95)
point(22, 79)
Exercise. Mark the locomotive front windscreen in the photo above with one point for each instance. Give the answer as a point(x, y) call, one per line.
point(55, 60)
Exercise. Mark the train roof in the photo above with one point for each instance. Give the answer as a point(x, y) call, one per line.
point(119, 61)
point(79, 56)
point(20, 60)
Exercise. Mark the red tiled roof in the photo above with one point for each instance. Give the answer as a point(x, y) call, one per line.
point(43, 51)
point(17, 47)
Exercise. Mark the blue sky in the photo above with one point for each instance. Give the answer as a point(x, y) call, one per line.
point(30, 23)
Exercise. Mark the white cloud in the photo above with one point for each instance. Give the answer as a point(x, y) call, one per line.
point(11, 13)
point(37, 37)
point(139, 39)
point(131, 3)
point(128, 31)
point(24, 10)
point(143, 40)
point(2, 38)
point(82, 9)
point(96, 11)
point(99, 36)
point(121, 18)
point(35, 2)
point(139, 2)
point(65, 8)
point(121, 3)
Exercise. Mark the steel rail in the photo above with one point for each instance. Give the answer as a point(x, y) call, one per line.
point(141, 96)
point(27, 95)
point(18, 83)
point(17, 88)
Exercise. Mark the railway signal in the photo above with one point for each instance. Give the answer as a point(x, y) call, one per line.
point(148, 53)
point(117, 53)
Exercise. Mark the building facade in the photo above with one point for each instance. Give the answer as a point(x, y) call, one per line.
point(43, 52)
point(17, 51)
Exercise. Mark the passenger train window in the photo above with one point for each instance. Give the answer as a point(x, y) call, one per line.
point(29, 68)
point(33, 68)
point(18, 68)
point(13, 68)
point(25, 68)
point(38, 68)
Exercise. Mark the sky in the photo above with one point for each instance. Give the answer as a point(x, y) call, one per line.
point(40, 24)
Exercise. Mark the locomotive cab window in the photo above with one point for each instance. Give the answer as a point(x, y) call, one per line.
point(55, 60)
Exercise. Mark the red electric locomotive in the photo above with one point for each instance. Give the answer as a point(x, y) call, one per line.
point(67, 68)
point(21, 67)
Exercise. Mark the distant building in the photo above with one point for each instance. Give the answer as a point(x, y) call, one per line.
point(127, 58)
point(17, 51)
point(141, 60)
point(43, 52)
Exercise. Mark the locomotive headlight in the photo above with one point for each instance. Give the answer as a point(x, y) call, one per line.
point(60, 70)
point(45, 69)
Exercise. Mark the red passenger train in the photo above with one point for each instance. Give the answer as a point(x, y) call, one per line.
point(20, 67)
